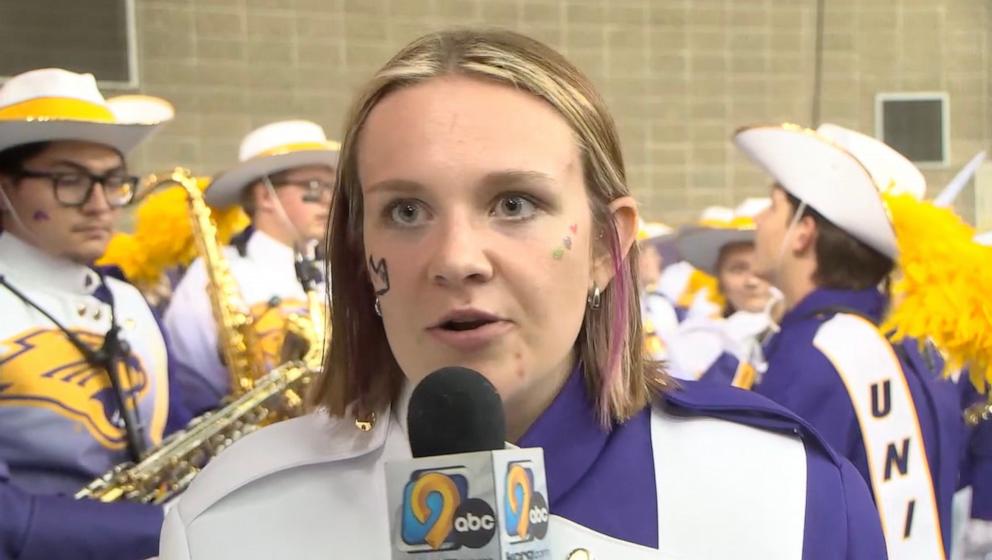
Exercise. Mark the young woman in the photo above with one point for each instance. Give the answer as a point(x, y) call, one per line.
point(482, 219)
point(725, 348)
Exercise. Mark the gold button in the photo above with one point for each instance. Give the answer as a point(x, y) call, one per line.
point(365, 424)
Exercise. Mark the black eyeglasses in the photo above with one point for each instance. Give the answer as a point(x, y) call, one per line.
point(74, 188)
point(315, 188)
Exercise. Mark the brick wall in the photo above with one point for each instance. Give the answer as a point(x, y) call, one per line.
point(680, 75)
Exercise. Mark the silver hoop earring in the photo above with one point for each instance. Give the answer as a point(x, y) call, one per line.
point(595, 298)
point(378, 307)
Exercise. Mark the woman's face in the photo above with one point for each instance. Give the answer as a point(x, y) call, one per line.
point(476, 230)
point(744, 290)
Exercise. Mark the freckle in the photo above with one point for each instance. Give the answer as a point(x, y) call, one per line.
point(41, 216)
point(518, 359)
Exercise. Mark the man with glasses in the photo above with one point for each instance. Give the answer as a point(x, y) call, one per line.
point(84, 381)
point(284, 181)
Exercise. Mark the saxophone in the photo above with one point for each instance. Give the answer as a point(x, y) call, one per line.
point(236, 334)
point(168, 470)
point(256, 401)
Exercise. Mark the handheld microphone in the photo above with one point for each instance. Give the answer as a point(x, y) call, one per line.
point(464, 496)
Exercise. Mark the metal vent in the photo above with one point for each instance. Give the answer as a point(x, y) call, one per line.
point(915, 124)
point(94, 36)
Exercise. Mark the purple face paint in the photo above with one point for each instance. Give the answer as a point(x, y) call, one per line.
point(41, 216)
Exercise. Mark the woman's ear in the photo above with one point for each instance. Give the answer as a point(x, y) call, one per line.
point(623, 212)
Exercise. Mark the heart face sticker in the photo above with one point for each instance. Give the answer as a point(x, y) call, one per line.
point(574, 228)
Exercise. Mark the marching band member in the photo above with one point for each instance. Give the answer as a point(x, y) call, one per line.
point(726, 348)
point(84, 381)
point(284, 182)
point(660, 316)
point(483, 220)
point(827, 242)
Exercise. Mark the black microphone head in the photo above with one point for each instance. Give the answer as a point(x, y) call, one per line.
point(455, 410)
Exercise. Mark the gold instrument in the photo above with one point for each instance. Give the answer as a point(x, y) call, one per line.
point(237, 339)
point(978, 413)
point(256, 400)
point(166, 472)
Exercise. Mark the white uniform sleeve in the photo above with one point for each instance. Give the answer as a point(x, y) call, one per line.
point(192, 331)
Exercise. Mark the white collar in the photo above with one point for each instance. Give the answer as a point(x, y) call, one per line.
point(265, 249)
point(29, 267)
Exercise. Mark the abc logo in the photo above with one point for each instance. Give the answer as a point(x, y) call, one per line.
point(475, 523)
point(525, 510)
point(539, 516)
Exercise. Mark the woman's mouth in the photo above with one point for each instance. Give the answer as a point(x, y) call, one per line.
point(468, 329)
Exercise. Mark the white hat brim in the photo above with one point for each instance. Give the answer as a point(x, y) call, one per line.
point(225, 190)
point(826, 177)
point(701, 246)
point(122, 137)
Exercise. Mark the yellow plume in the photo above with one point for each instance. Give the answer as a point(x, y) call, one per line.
point(942, 293)
point(698, 281)
point(163, 236)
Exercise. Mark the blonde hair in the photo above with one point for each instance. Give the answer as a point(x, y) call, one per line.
point(360, 370)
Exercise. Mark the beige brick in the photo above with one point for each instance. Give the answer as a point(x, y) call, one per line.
point(708, 111)
point(175, 21)
point(707, 41)
point(220, 24)
point(376, 8)
point(662, 14)
point(257, 6)
point(585, 37)
point(667, 40)
point(458, 10)
point(743, 62)
point(584, 13)
point(318, 27)
point(365, 30)
point(708, 16)
point(538, 10)
point(636, 15)
point(220, 49)
point(703, 64)
point(625, 39)
point(324, 54)
point(163, 46)
point(501, 12)
point(366, 57)
point(272, 52)
point(669, 154)
point(665, 64)
point(749, 14)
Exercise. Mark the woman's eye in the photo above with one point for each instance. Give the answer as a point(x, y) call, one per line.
point(515, 207)
point(407, 212)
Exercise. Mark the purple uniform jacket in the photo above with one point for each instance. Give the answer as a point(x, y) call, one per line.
point(841, 521)
point(53, 527)
point(977, 459)
point(803, 380)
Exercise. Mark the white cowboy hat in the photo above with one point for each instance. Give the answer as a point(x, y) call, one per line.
point(270, 149)
point(650, 231)
point(825, 176)
point(718, 227)
point(892, 172)
point(54, 104)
